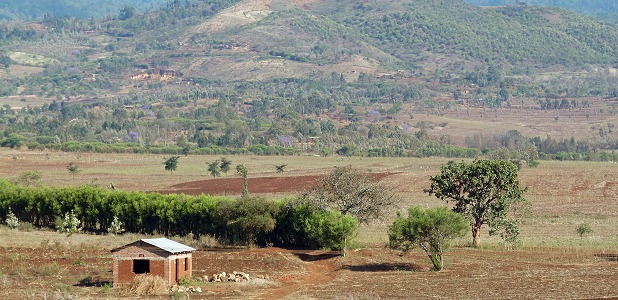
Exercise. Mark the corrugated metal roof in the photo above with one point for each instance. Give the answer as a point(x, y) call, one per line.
point(169, 245)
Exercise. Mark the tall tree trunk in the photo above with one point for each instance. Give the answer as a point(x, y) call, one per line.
point(476, 234)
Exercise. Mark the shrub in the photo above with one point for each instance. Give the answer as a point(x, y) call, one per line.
point(331, 229)
point(70, 224)
point(11, 220)
point(429, 229)
point(304, 225)
point(116, 227)
point(583, 229)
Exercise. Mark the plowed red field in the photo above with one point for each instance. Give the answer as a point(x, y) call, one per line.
point(259, 185)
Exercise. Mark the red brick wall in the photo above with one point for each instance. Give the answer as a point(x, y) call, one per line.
point(181, 267)
point(157, 267)
point(160, 265)
point(124, 272)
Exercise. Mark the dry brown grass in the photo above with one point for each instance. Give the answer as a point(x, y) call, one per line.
point(146, 284)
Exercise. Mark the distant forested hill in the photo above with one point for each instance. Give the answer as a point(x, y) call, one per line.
point(32, 9)
point(606, 9)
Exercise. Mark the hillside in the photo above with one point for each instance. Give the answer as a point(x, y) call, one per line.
point(34, 9)
point(379, 78)
point(604, 9)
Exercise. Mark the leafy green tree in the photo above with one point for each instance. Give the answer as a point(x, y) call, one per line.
point(5, 60)
point(430, 230)
point(503, 95)
point(13, 141)
point(214, 168)
point(349, 191)
point(126, 12)
point(483, 191)
point(171, 164)
point(331, 229)
point(347, 150)
point(225, 165)
point(242, 171)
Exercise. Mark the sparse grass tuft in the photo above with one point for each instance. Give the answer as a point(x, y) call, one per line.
point(25, 227)
point(5, 281)
point(49, 269)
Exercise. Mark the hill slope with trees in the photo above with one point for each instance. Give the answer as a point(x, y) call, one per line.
point(348, 77)
point(605, 9)
point(33, 9)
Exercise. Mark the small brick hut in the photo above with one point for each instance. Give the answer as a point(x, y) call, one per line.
point(160, 257)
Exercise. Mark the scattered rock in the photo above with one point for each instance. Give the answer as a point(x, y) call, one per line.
point(235, 276)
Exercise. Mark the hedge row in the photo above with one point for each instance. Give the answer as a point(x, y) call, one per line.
point(281, 223)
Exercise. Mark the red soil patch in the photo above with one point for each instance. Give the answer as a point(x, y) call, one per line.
point(371, 273)
point(258, 185)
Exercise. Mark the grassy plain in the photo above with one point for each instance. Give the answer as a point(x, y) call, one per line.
point(552, 261)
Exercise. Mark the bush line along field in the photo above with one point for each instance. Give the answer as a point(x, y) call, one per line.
point(563, 194)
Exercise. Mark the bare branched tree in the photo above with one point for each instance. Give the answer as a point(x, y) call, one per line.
point(351, 192)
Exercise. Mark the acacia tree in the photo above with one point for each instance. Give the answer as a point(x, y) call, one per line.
point(225, 165)
point(171, 164)
point(214, 168)
point(349, 191)
point(429, 229)
point(482, 191)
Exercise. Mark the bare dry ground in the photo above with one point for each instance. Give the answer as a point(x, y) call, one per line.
point(552, 262)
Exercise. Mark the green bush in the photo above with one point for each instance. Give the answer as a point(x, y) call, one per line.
point(583, 229)
point(245, 219)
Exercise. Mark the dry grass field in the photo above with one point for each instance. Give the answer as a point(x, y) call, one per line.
point(552, 262)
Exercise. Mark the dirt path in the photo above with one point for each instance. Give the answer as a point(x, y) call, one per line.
point(320, 267)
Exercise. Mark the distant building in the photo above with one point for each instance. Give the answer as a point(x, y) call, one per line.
point(159, 257)
point(157, 74)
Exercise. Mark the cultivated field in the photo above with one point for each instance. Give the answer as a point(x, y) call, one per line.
point(552, 262)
